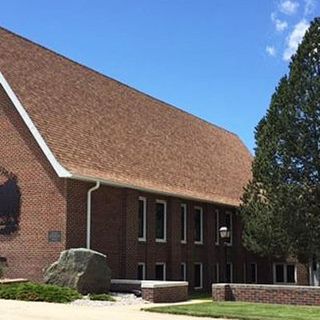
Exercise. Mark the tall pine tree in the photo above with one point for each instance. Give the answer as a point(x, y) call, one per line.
point(281, 205)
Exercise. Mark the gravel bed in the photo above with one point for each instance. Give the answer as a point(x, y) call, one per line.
point(122, 299)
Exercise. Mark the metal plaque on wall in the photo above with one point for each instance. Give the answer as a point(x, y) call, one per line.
point(54, 236)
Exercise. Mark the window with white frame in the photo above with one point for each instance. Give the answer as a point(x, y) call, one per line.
point(183, 271)
point(141, 271)
point(160, 271)
point(217, 227)
point(228, 216)
point(142, 229)
point(229, 273)
point(183, 223)
point(284, 273)
point(198, 225)
point(161, 221)
point(198, 275)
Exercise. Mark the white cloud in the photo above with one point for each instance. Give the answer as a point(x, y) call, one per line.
point(294, 39)
point(309, 7)
point(271, 51)
point(280, 25)
point(288, 7)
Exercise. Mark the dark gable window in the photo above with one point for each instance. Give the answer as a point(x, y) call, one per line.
point(161, 221)
point(198, 276)
point(198, 235)
point(280, 273)
point(229, 225)
point(141, 271)
point(183, 271)
point(183, 223)
point(142, 219)
point(284, 273)
point(229, 273)
point(290, 273)
point(160, 272)
point(253, 273)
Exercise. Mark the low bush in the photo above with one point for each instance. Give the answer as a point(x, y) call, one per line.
point(38, 292)
point(101, 297)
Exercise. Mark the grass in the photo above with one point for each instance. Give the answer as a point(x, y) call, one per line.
point(243, 311)
point(101, 297)
point(38, 292)
point(200, 296)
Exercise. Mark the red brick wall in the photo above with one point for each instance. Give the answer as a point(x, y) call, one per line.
point(302, 295)
point(169, 294)
point(43, 198)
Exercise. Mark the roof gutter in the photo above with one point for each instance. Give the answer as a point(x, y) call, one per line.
point(89, 211)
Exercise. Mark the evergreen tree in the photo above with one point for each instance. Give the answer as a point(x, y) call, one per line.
point(281, 205)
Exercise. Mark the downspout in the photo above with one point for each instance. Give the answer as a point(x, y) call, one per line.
point(89, 212)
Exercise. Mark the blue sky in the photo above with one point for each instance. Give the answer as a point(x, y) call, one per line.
point(217, 59)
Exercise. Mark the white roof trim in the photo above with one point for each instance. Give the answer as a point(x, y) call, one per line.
point(59, 169)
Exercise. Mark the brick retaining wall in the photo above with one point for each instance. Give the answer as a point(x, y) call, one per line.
point(280, 294)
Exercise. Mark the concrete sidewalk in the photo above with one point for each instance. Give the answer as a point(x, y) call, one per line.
point(21, 310)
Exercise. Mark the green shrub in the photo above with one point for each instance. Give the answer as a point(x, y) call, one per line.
point(38, 292)
point(101, 297)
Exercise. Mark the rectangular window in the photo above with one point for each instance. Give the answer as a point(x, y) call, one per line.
point(229, 226)
point(217, 227)
point(142, 219)
point(160, 271)
point(198, 276)
point(161, 221)
point(198, 225)
point(229, 275)
point(183, 271)
point(284, 273)
point(253, 273)
point(141, 271)
point(183, 223)
point(216, 276)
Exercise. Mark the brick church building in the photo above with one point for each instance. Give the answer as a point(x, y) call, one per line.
point(87, 161)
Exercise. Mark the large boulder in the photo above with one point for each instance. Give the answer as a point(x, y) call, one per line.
point(81, 269)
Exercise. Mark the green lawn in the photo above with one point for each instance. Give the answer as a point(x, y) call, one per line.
point(243, 311)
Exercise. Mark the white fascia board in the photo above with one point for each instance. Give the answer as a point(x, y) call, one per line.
point(59, 169)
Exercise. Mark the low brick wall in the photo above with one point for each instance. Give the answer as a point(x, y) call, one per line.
point(281, 294)
point(125, 285)
point(164, 291)
point(154, 291)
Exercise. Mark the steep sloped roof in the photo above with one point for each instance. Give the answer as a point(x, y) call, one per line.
point(100, 128)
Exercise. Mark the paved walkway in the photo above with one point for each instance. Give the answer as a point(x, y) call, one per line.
point(21, 310)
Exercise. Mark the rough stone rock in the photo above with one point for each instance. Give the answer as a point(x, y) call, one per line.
point(81, 269)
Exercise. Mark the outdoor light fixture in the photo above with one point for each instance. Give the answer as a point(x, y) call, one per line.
point(224, 233)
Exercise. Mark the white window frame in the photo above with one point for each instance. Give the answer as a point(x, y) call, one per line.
point(143, 269)
point(284, 273)
point(164, 239)
point(229, 243)
point(144, 238)
point(184, 206)
point(201, 275)
point(231, 272)
point(184, 270)
point(217, 212)
point(201, 224)
point(164, 269)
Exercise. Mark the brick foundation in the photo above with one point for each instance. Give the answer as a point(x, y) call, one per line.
point(297, 295)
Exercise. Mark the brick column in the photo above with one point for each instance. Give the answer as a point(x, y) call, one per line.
point(130, 243)
point(174, 230)
point(151, 236)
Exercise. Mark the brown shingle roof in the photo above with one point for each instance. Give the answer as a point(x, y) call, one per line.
point(100, 128)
